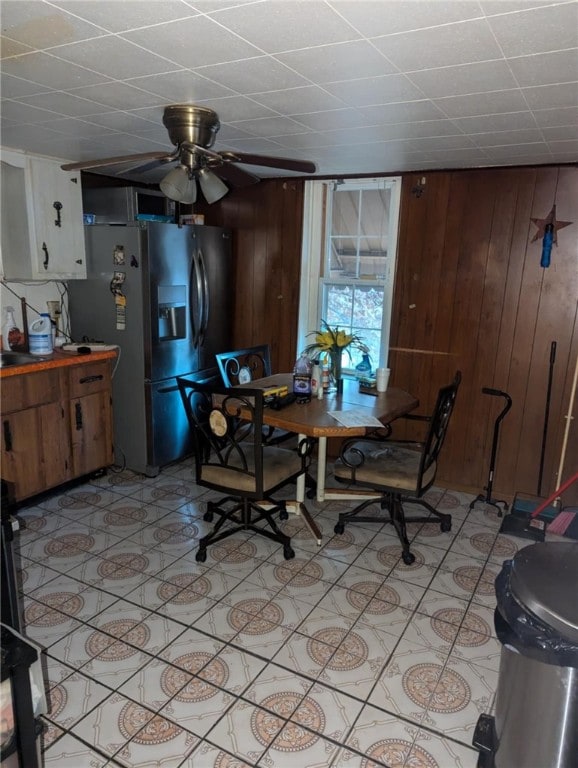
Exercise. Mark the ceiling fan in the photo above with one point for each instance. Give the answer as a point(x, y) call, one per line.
point(193, 131)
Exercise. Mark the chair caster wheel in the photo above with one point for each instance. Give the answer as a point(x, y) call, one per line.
point(283, 515)
point(201, 556)
point(446, 525)
point(288, 552)
point(339, 528)
point(408, 558)
point(208, 516)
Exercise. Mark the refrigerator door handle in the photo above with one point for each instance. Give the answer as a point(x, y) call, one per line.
point(167, 390)
point(196, 288)
point(205, 303)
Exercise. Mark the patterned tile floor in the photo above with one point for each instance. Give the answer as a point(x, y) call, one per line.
point(341, 657)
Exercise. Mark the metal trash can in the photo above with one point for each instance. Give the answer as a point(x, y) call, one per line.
point(535, 724)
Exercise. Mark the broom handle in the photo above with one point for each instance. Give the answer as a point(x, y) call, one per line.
point(561, 489)
point(569, 418)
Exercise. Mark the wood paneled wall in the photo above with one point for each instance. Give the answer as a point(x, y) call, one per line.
point(470, 294)
point(267, 224)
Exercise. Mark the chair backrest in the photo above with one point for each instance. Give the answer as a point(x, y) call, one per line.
point(226, 423)
point(244, 365)
point(438, 425)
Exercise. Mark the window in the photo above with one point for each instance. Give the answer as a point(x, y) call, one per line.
point(348, 266)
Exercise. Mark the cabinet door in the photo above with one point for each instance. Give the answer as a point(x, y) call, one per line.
point(35, 452)
point(57, 231)
point(91, 429)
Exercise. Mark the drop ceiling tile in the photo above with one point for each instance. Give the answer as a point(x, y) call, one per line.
point(342, 61)
point(482, 104)
point(309, 140)
point(504, 138)
point(375, 90)
point(193, 42)
point(46, 142)
point(111, 145)
point(554, 117)
point(117, 95)
point(15, 87)
point(565, 146)
point(40, 25)
point(63, 104)
point(114, 57)
point(498, 7)
point(228, 133)
point(256, 75)
point(520, 153)
point(546, 68)
point(428, 128)
point(47, 70)
point(123, 122)
point(269, 126)
point(525, 32)
point(79, 128)
point(546, 97)
point(561, 133)
point(279, 26)
point(445, 46)
point(119, 17)
point(297, 101)
point(231, 108)
point(460, 157)
point(403, 112)
point(25, 113)
point(333, 119)
point(488, 123)
point(464, 79)
point(12, 48)
point(181, 86)
point(259, 146)
point(439, 143)
point(380, 18)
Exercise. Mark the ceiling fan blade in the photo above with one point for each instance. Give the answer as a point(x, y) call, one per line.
point(238, 177)
point(86, 164)
point(302, 166)
point(155, 163)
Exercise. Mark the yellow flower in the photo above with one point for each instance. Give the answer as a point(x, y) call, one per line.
point(343, 339)
point(335, 341)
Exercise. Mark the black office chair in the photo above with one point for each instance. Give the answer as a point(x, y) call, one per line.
point(230, 457)
point(244, 365)
point(399, 471)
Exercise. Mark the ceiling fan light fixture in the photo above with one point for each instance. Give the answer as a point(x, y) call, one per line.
point(212, 186)
point(178, 185)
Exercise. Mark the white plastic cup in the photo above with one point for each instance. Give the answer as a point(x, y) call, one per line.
point(382, 379)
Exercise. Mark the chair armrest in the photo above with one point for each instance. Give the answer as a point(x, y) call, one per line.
point(416, 417)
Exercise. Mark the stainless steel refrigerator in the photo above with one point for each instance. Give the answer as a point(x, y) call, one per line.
point(161, 293)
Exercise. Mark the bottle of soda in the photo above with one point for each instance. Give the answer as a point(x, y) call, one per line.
point(302, 379)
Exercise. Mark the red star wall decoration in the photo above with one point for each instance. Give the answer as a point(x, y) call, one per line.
point(543, 223)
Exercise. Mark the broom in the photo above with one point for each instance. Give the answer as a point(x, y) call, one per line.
point(565, 523)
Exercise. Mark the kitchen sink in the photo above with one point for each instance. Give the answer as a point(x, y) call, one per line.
point(8, 359)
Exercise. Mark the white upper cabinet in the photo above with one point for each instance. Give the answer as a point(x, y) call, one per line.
point(42, 227)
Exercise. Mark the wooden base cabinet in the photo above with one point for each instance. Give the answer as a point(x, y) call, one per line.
point(56, 426)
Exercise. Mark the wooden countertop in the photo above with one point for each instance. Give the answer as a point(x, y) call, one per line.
point(56, 360)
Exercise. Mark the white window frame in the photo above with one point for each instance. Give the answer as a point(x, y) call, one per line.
point(316, 219)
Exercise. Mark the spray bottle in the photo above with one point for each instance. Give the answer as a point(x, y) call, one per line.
point(11, 334)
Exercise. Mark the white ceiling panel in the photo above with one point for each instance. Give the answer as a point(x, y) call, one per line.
point(355, 86)
point(445, 46)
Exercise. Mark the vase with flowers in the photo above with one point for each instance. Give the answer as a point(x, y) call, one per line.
point(332, 343)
